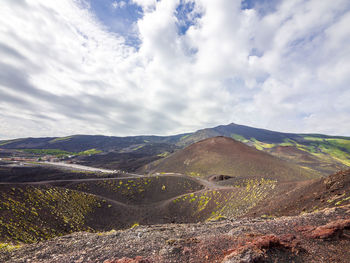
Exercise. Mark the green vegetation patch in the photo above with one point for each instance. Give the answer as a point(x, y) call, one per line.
point(164, 154)
point(138, 147)
point(59, 153)
point(135, 225)
point(287, 142)
point(54, 152)
point(238, 137)
point(341, 143)
point(33, 214)
point(261, 145)
point(184, 137)
point(240, 202)
point(215, 204)
point(60, 139)
point(256, 143)
point(127, 189)
point(8, 247)
point(338, 149)
point(89, 152)
point(195, 174)
point(343, 200)
point(311, 138)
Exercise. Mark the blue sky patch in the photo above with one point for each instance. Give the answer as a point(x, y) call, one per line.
point(119, 17)
point(263, 7)
point(186, 15)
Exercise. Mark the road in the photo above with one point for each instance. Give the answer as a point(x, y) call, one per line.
point(80, 167)
point(88, 168)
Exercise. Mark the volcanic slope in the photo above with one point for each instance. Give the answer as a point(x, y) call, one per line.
point(225, 156)
point(306, 196)
point(31, 212)
point(321, 236)
point(318, 152)
point(35, 211)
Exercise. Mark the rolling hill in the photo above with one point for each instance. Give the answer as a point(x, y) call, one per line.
point(316, 152)
point(225, 156)
point(79, 143)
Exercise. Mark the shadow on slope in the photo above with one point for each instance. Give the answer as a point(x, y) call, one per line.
point(129, 160)
point(36, 173)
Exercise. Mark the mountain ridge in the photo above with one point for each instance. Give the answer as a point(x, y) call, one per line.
point(220, 130)
point(324, 153)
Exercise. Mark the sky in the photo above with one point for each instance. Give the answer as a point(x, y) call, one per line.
point(132, 67)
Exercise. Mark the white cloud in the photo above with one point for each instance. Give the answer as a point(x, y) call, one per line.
point(62, 73)
point(147, 5)
point(120, 4)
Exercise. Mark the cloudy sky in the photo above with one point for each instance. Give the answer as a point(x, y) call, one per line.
point(130, 67)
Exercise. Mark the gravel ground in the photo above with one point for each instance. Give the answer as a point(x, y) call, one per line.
point(316, 237)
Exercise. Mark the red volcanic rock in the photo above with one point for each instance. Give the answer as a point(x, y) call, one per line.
point(304, 228)
point(266, 241)
point(253, 250)
point(138, 259)
point(333, 229)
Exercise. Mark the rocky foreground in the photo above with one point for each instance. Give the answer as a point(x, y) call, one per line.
point(316, 237)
